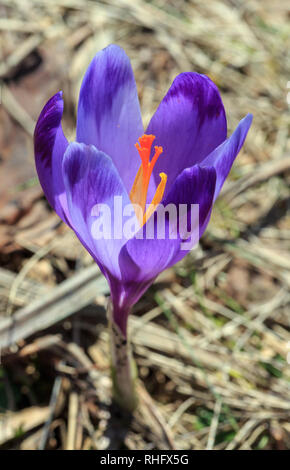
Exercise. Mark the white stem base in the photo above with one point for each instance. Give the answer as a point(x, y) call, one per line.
point(122, 365)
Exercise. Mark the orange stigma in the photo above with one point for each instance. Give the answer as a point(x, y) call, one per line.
point(138, 194)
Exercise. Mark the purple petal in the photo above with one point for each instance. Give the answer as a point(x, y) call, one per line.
point(49, 147)
point(189, 123)
point(222, 158)
point(141, 260)
point(91, 180)
point(149, 257)
point(109, 112)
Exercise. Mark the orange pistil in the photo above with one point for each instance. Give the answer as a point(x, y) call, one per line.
point(138, 194)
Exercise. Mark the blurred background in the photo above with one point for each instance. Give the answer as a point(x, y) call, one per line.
point(211, 337)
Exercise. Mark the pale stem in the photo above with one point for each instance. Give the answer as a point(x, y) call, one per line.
point(123, 368)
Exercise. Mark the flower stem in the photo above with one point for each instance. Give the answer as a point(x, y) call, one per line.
point(123, 368)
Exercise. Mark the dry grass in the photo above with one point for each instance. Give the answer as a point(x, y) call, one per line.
point(211, 336)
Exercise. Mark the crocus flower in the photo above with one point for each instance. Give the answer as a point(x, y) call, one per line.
point(112, 156)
